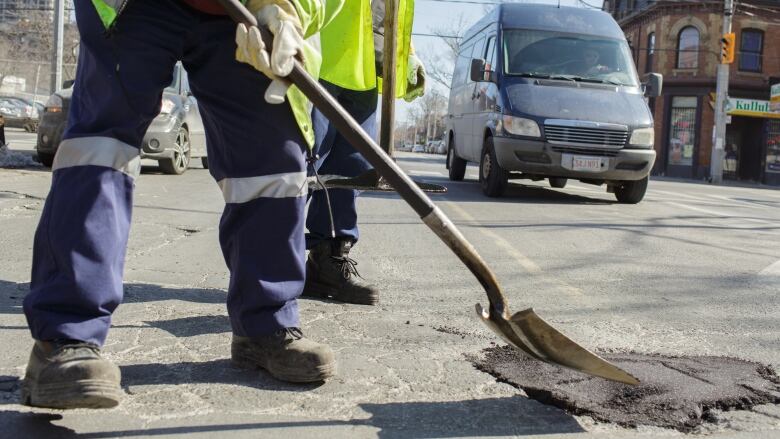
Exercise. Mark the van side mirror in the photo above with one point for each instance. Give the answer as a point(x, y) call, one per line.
point(478, 72)
point(654, 85)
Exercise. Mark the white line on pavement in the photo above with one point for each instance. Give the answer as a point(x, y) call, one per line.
point(429, 173)
point(772, 270)
point(676, 195)
point(751, 204)
point(721, 214)
point(525, 262)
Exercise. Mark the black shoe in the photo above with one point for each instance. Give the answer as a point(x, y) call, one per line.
point(286, 354)
point(70, 374)
point(332, 274)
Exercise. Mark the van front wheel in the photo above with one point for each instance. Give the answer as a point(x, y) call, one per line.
point(492, 177)
point(455, 164)
point(631, 192)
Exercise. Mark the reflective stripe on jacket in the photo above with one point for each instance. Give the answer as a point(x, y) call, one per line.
point(347, 42)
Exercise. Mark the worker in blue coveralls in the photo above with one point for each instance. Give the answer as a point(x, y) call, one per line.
point(256, 145)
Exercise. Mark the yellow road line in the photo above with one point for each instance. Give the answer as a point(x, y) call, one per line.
point(524, 261)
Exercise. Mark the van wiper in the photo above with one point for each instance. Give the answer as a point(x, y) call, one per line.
point(533, 75)
point(596, 80)
point(545, 76)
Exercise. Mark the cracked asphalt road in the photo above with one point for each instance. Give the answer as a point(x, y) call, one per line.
point(687, 272)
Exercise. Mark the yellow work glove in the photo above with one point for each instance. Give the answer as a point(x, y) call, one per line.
point(282, 20)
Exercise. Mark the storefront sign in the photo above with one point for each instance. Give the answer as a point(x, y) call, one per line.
point(774, 98)
point(751, 108)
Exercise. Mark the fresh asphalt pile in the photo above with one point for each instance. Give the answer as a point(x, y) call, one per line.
point(675, 392)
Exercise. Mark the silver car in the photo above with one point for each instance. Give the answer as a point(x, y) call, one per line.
point(174, 137)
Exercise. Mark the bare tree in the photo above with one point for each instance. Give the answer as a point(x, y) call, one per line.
point(428, 114)
point(26, 46)
point(439, 65)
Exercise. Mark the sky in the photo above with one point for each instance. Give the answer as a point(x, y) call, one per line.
point(430, 15)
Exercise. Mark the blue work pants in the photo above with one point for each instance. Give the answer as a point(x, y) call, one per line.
point(338, 159)
point(256, 155)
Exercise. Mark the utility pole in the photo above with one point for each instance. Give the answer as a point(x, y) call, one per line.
point(35, 91)
point(390, 60)
point(59, 32)
point(721, 95)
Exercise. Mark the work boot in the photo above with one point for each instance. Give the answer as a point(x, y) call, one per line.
point(68, 374)
point(286, 354)
point(332, 274)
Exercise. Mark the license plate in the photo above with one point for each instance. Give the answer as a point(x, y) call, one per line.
point(584, 163)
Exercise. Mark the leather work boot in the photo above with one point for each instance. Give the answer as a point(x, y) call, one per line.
point(70, 374)
point(332, 274)
point(286, 354)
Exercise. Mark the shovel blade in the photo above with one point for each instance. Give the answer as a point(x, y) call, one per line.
point(528, 332)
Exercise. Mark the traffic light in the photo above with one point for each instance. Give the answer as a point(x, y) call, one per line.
point(727, 48)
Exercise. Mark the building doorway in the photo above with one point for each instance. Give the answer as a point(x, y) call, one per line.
point(744, 149)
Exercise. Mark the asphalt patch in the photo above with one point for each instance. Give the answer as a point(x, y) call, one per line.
point(680, 393)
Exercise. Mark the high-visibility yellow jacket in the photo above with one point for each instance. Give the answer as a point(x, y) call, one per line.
point(347, 46)
point(313, 14)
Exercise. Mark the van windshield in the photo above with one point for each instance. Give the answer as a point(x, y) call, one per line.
point(564, 56)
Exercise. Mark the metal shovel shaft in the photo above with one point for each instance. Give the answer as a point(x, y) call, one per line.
point(540, 341)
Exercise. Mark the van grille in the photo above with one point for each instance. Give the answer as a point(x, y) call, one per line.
point(599, 152)
point(585, 136)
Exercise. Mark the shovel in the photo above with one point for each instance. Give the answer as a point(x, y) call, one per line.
point(524, 330)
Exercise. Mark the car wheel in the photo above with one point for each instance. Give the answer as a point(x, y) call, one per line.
point(180, 161)
point(205, 162)
point(46, 159)
point(558, 182)
point(492, 177)
point(455, 164)
point(631, 192)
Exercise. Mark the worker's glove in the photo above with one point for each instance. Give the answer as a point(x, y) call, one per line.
point(415, 78)
point(284, 24)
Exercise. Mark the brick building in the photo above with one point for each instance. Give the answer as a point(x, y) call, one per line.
point(681, 40)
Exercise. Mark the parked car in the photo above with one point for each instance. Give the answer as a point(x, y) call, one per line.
point(441, 147)
point(418, 148)
point(18, 113)
point(174, 137)
point(559, 100)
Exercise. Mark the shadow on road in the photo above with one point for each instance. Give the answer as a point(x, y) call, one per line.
point(470, 191)
point(219, 371)
point(498, 417)
point(12, 294)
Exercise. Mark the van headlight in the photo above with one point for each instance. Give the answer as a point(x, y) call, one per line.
point(643, 137)
point(520, 126)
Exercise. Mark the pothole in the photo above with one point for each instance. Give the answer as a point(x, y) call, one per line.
point(675, 392)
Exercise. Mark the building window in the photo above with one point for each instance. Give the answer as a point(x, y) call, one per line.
point(682, 132)
point(650, 52)
point(751, 46)
point(688, 48)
